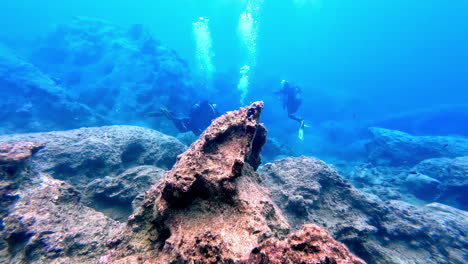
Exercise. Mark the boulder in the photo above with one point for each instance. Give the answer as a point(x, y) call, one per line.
point(94, 161)
point(422, 186)
point(43, 221)
point(82, 155)
point(376, 231)
point(451, 176)
point(119, 195)
point(396, 148)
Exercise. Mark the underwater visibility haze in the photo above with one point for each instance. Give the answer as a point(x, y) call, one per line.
point(153, 121)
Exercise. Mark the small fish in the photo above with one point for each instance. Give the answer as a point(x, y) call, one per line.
point(154, 114)
point(413, 172)
point(445, 146)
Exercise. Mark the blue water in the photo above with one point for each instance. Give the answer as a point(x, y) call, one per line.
point(395, 64)
point(384, 100)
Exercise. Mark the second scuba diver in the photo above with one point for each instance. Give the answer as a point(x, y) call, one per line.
point(290, 96)
point(200, 117)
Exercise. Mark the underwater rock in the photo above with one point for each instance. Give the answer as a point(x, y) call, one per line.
point(117, 196)
point(13, 157)
point(12, 153)
point(451, 176)
point(83, 157)
point(382, 183)
point(378, 232)
point(422, 186)
point(32, 101)
point(310, 244)
point(211, 208)
point(42, 219)
point(273, 150)
point(396, 148)
point(123, 72)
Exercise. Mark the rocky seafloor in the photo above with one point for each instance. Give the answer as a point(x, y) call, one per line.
point(125, 194)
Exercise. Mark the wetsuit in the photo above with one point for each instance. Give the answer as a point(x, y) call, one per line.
point(291, 98)
point(200, 117)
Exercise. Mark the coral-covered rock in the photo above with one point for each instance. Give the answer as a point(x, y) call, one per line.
point(12, 153)
point(82, 155)
point(310, 244)
point(210, 205)
point(41, 218)
point(378, 232)
point(391, 147)
point(117, 196)
point(85, 156)
point(48, 222)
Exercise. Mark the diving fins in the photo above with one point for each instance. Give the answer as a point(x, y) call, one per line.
point(301, 130)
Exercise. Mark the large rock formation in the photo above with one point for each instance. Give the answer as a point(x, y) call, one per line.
point(91, 72)
point(123, 72)
point(447, 181)
point(32, 101)
point(395, 148)
point(210, 208)
point(42, 219)
point(309, 190)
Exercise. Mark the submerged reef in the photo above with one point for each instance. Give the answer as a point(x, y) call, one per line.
point(33, 101)
point(309, 190)
point(209, 208)
point(91, 72)
point(416, 169)
point(123, 72)
point(125, 194)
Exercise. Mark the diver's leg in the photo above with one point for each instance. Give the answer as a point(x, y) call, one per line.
point(294, 117)
point(181, 124)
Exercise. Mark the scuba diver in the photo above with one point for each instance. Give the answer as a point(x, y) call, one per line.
point(200, 117)
point(290, 96)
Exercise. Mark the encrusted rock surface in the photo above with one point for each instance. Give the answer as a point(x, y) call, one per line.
point(396, 148)
point(449, 178)
point(124, 191)
point(12, 153)
point(83, 156)
point(310, 244)
point(42, 219)
point(442, 180)
point(309, 190)
point(210, 206)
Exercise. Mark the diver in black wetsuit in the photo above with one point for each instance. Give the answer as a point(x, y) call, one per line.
point(290, 96)
point(200, 117)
